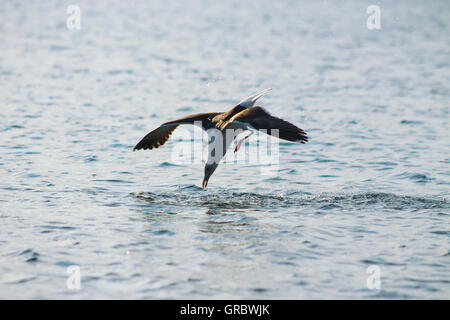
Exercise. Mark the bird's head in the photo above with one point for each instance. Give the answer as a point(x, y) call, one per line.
point(209, 170)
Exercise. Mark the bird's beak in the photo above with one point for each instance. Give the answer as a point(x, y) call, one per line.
point(205, 183)
point(250, 101)
point(259, 95)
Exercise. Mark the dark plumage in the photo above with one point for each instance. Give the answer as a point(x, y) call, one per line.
point(160, 135)
point(260, 119)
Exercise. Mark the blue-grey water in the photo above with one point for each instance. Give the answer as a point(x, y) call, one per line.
point(370, 189)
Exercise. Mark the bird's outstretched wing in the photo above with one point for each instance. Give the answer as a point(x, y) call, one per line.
point(160, 135)
point(156, 138)
point(260, 119)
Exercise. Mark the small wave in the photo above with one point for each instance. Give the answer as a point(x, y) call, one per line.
point(30, 255)
point(416, 177)
point(194, 196)
point(112, 180)
point(117, 72)
point(411, 122)
point(167, 164)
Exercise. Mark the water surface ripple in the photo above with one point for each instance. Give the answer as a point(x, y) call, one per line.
point(370, 188)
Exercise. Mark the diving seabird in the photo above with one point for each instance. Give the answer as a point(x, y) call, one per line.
point(243, 117)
